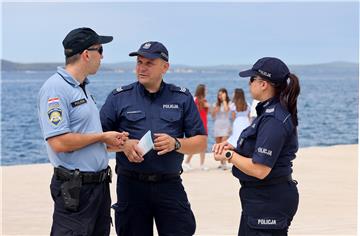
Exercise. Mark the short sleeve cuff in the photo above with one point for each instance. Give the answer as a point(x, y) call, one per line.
point(264, 160)
point(195, 132)
point(56, 133)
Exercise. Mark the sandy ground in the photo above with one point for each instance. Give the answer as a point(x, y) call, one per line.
point(327, 179)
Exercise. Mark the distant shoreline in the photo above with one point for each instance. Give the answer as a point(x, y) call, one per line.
point(335, 68)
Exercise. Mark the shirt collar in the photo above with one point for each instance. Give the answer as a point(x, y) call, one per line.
point(262, 105)
point(68, 78)
point(146, 93)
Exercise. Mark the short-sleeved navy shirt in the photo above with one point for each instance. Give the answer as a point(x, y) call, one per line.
point(133, 109)
point(270, 140)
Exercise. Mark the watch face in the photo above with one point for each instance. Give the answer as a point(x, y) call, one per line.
point(177, 144)
point(228, 154)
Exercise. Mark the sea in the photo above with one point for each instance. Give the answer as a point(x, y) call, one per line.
point(328, 107)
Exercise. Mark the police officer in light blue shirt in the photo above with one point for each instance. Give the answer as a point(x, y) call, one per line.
point(75, 142)
point(263, 156)
point(67, 109)
point(149, 185)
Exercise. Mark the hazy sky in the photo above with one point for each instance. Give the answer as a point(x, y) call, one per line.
point(194, 33)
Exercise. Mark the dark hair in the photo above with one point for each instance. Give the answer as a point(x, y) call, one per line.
point(200, 95)
point(218, 102)
point(239, 100)
point(288, 92)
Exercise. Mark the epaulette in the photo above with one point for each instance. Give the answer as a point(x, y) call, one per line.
point(122, 89)
point(277, 112)
point(179, 89)
point(270, 110)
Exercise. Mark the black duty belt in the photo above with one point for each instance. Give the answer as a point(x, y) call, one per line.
point(64, 174)
point(147, 177)
point(277, 180)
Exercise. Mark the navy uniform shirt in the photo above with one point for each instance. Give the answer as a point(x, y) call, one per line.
point(270, 140)
point(64, 107)
point(133, 109)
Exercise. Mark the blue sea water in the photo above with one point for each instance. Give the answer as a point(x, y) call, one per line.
point(327, 107)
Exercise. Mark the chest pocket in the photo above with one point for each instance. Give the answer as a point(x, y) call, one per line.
point(80, 111)
point(170, 121)
point(248, 132)
point(247, 141)
point(132, 122)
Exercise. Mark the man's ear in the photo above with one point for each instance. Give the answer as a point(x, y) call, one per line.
point(85, 55)
point(166, 67)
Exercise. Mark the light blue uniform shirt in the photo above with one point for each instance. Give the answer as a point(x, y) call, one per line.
point(63, 107)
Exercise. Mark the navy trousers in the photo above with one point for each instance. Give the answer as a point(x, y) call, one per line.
point(140, 203)
point(93, 217)
point(268, 210)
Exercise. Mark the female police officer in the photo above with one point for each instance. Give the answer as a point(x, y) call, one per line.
point(263, 156)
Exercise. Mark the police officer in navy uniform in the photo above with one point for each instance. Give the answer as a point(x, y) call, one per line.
point(262, 159)
point(75, 142)
point(149, 186)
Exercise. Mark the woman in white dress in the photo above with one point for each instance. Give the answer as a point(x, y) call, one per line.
point(222, 123)
point(240, 114)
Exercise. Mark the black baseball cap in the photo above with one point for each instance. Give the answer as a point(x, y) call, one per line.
point(271, 68)
point(152, 50)
point(80, 39)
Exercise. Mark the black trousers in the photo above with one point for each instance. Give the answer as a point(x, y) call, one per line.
point(268, 210)
point(93, 217)
point(140, 203)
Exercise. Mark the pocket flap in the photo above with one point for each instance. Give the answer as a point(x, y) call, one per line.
point(134, 115)
point(248, 132)
point(267, 222)
point(120, 206)
point(170, 115)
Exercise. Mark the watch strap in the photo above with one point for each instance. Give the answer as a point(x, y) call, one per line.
point(177, 144)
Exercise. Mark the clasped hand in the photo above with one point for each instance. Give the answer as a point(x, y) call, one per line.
point(115, 140)
point(219, 150)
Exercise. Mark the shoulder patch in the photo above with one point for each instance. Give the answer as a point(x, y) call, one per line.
point(55, 116)
point(179, 89)
point(122, 89)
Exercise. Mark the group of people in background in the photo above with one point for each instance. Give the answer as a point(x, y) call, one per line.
point(230, 118)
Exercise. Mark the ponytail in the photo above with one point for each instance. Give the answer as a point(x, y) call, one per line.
point(288, 93)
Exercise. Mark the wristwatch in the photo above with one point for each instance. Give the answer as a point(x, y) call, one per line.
point(229, 154)
point(177, 144)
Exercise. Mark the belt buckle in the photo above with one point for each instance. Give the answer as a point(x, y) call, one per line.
point(152, 178)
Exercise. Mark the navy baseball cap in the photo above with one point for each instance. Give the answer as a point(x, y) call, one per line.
point(271, 68)
point(152, 50)
point(80, 39)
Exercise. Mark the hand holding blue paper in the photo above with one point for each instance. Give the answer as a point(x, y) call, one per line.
point(146, 143)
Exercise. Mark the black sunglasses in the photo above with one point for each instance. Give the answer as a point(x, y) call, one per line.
point(99, 49)
point(252, 79)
